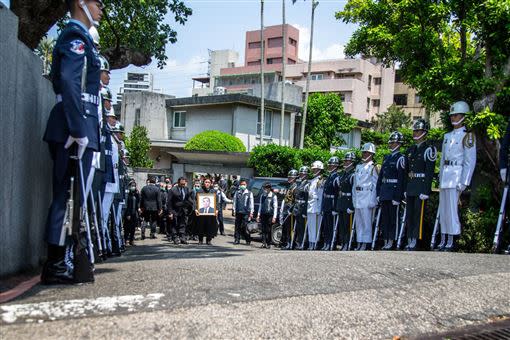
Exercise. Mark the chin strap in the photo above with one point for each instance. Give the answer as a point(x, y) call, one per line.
point(459, 122)
point(83, 6)
point(420, 136)
point(395, 148)
point(366, 159)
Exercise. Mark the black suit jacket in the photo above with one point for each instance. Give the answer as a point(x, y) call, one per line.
point(177, 204)
point(150, 198)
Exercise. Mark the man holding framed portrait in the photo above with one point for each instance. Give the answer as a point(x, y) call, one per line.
point(206, 211)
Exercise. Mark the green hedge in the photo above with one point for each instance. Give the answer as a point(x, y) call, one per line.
point(213, 140)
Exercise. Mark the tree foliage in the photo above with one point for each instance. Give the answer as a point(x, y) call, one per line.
point(138, 145)
point(213, 140)
point(392, 119)
point(132, 31)
point(325, 121)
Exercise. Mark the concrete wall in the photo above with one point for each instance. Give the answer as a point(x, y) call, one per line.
point(26, 99)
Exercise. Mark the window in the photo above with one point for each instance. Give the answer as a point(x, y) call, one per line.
point(291, 61)
point(376, 102)
point(274, 60)
point(316, 76)
point(255, 44)
point(137, 117)
point(417, 117)
point(377, 81)
point(342, 97)
point(268, 123)
point(369, 82)
point(368, 104)
point(417, 99)
point(254, 63)
point(292, 42)
point(400, 99)
point(135, 76)
point(275, 42)
point(398, 76)
point(179, 119)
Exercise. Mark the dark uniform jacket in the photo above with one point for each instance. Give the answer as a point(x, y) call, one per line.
point(132, 204)
point(150, 199)
point(504, 148)
point(421, 161)
point(105, 159)
point(330, 193)
point(344, 185)
point(74, 53)
point(392, 178)
point(301, 195)
point(179, 204)
point(289, 200)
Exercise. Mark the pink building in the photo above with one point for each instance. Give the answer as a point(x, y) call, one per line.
point(273, 41)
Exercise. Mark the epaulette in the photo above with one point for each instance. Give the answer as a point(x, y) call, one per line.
point(469, 140)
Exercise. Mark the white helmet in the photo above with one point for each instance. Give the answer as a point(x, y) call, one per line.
point(368, 147)
point(94, 34)
point(459, 107)
point(317, 165)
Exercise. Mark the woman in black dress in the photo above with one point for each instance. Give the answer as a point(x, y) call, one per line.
point(206, 224)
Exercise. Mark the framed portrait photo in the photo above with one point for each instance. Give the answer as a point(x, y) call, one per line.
point(206, 204)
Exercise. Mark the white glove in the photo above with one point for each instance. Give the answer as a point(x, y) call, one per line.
point(377, 198)
point(502, 172)
point(82, 144)
point(281, 221)
point(349, 211)
point(395, 202)
point(334, 213)
point(424, 197)
point(461, 187)
point(405, 195)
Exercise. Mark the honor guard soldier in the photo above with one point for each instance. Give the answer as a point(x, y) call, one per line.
point(344, 206)
point(243, 207)
point(300, 207)
point(457, 166)
point(364, 195)
point(329, 198)
point(287, 220)
point(75, 78)
point(504, 155)
point(421, 159)
point(390, 189)
point(268, 209)
point(314, 205)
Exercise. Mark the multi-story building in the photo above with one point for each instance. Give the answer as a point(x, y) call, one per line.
point(137, 82)
point(408, 99)
point(204, 86)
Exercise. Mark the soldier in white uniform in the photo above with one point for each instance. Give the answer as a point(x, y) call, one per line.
point(314, 204)
point(457, 166)
point(364, 195)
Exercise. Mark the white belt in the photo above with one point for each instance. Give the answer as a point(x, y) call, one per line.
point(345, 194)
point(86, 97)
point(329, 196)
point(416, 175)
point(389, 180)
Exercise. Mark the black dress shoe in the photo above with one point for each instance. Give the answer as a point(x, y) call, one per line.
point(153, 237)
point(262, 246)
point(236, 242)
point(268, 246)
point(184, 242)
point(55, 273)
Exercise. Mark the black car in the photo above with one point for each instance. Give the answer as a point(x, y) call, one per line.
point(280, 186)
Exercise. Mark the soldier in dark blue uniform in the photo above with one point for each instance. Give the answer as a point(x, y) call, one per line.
point(390, 189)
point(421, 159)
point(300, 208)
point(286, 217)
point(504, 155)
point(329, 198)
point(344, 207)
point(74, 119)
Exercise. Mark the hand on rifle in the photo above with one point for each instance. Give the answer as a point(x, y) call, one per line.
point(395, 203)
point(82, 144)
point(502, 172)
point(424, 197)
point(349, 211)
point(258, 219)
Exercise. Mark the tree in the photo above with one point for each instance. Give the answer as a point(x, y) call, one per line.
point(326, 120)
point(213, 140)
point(139, 145)
point(45, 52)
point(448, 51)
point(132, 31)
point(392, 120)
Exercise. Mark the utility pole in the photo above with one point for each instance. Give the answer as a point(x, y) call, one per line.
point(262, 110)
point(284, 62)
point(303, 122)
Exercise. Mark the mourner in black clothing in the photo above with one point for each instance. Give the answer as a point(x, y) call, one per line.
point(131, 213)
point(150, 203)
point(206, 224)
point(180, 204)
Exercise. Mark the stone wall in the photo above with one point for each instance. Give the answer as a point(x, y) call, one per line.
point(26, 98)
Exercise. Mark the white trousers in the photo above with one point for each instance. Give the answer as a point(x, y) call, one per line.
point(449, 211)
point(363, 218)
point(313, 221)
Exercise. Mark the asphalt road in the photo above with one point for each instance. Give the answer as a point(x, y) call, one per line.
point(159, 290)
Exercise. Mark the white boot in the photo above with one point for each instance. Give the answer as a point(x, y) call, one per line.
point(390, 244)
point(442, 243)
